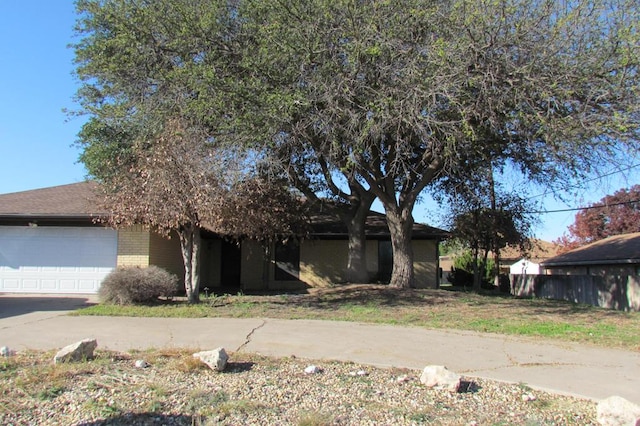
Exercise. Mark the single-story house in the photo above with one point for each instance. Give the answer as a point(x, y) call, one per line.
point(616, 255)
point(52, 242)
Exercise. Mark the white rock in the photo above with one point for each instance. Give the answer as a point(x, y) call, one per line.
point(439, 376)
point(78, 351)
point(617, 411)
point(403, 379)
point(215, 359)
point(528, 397)
point(6, 351)
point(312, 369)
point(141, 363)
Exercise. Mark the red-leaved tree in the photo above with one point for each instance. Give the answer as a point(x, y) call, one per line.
point(613, 215)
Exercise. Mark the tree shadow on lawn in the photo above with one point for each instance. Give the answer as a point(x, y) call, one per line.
point(383, 296)
point(368, 295)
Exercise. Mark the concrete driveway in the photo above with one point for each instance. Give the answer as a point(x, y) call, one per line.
point(41, 305)
point(39, 322)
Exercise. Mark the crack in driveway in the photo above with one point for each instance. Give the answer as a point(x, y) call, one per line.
point(249, 336)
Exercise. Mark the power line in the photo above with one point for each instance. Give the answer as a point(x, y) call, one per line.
point(586, 208)
point(614, 172)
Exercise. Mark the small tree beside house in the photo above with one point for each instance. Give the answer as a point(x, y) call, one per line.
point(169, 183)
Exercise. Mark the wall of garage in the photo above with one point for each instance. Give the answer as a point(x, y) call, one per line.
point(55, 259)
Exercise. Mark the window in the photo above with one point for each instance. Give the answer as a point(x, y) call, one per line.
point(287, 259)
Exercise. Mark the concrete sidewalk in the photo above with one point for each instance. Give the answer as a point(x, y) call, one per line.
point(579, 370)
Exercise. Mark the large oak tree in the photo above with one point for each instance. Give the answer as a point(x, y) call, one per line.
point(392, 92)
point(386, 93)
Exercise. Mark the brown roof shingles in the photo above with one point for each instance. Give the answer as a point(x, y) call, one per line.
point(73, 200)
point(613, 250)
point(81, 201)
point(328, 223)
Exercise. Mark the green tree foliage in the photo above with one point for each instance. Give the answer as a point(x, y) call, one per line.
point(393, 92)
point(392, 95)
point(614, 214)
point(483, 217)
point(466, 267)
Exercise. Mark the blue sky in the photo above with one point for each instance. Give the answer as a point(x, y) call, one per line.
point(37, 137)
point(36, 83)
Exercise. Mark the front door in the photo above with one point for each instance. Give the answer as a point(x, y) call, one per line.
point(230, 266)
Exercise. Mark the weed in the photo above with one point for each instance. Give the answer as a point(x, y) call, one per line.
point(102, 408)
point(421, 417)
point(314, 419)
point(203, 402)
point(49, 393)
point(158, 390)
point(155, 406)
point(8, 367)
point(524, 387)
point(241, 406)
point(190, 364)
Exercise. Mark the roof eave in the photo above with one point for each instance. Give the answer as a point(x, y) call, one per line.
point(89, 217)
point(591, 262)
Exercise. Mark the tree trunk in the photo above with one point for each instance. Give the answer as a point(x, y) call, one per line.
point(477, 278)
point(496, 244)
point(400, 228)
point(357, 256)
point(190, 246)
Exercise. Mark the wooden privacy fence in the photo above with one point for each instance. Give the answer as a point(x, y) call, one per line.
point(621, 292)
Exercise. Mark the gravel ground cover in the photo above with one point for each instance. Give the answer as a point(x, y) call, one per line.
point(176, 389)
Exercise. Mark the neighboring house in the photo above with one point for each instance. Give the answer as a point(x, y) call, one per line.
point(524, 267)
point(512, 258)
point(52, 242)
point(616, 255)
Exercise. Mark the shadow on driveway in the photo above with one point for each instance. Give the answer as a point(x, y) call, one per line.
point(13, 304)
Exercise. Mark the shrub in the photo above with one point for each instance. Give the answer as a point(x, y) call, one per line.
point(462, 272)
point(505, 284)
point(131, 285)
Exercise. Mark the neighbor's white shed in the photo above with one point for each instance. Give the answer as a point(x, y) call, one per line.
point(524, 267)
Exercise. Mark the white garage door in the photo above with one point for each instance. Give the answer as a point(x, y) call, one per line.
point(55, 259)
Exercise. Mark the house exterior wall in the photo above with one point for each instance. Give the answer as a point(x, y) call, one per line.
point(425, 263)
point(372, 258)
point(253, 264)
point(133, 247)
point(166, 253)
point(210, 260)
point(139, 247)
point(324, 263)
